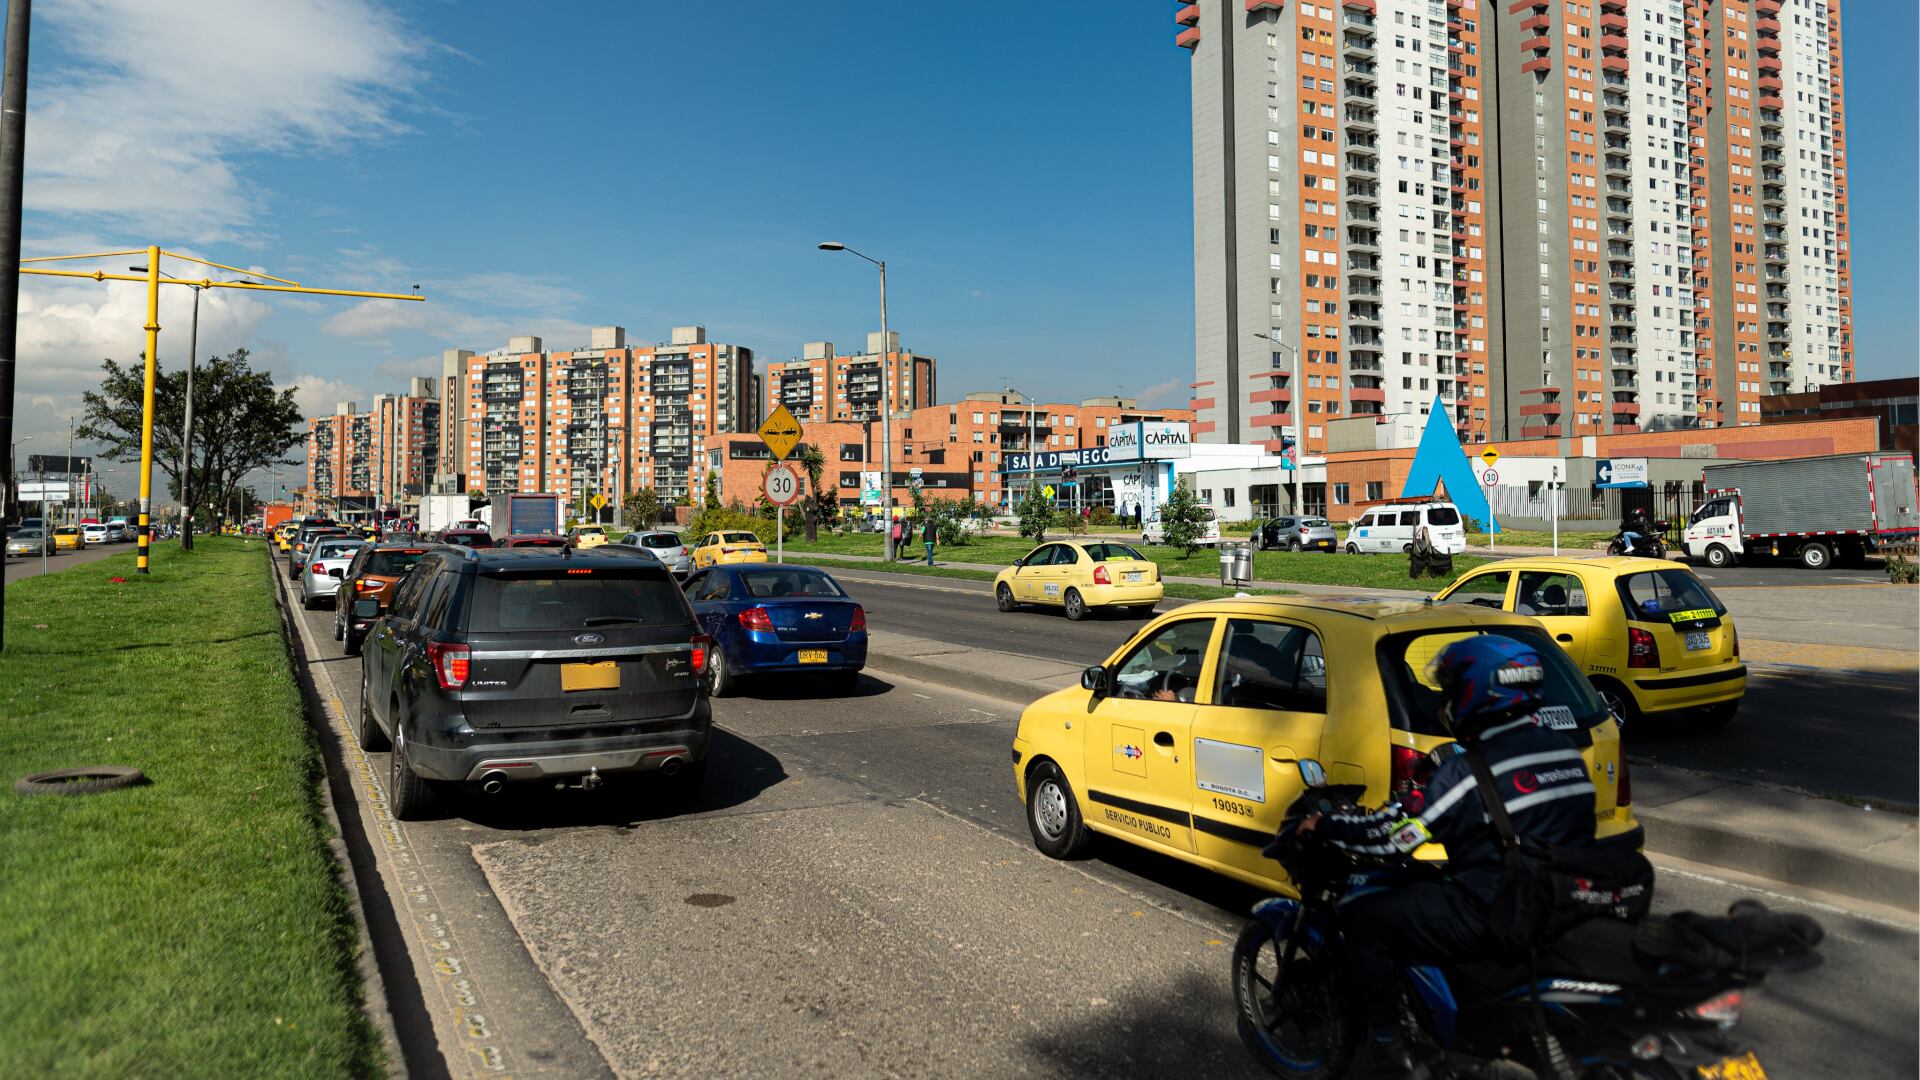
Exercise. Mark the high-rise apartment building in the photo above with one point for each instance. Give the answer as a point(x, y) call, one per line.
point(384, 457)
point(606, 419)
point(1554, 218)
point(822, 386)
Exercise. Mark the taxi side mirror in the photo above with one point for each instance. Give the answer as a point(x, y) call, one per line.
point(1019, 562)
point(1094, 679)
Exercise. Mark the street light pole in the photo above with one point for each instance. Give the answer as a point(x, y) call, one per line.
point(1296, 405)
point(886, 395)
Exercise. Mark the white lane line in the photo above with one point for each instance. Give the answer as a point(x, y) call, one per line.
point(1829, 909)
point(478, 1038)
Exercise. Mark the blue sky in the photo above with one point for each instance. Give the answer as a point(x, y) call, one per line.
point(545, 168)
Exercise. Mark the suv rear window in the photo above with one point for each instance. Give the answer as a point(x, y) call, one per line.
point(574, 599)
point(1650, 595)
point(1314, 523)
point(472, 540)
point(393, 563)
point(659, 540)
point(1442, 515)
point(1415, 700)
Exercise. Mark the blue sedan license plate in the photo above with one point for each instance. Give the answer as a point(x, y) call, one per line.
point(813, 656)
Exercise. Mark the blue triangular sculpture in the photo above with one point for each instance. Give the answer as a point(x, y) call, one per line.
point(1440, 458)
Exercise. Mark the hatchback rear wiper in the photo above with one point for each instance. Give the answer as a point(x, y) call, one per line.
point(609, 620)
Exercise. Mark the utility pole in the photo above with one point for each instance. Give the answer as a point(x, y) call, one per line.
point(13, 152)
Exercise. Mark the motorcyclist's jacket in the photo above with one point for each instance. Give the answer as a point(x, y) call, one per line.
point(1637, 521)
point(1541, 777)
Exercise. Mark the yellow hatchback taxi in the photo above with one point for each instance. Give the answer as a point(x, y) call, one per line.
point(1188, 740)
point(67, 538)
point(1654, 640)
point(1079, 577)
point(719, 548)
point(586, 536)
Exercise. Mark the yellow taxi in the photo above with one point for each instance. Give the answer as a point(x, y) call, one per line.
point(283, 535)
point(67, 538)
point(1188, 740)
point(1654, 640)
point(717, 548)
point(586, 536)
point(1079, 577)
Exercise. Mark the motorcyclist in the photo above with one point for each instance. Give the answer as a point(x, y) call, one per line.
point(1490, 688)
point(1634, 525)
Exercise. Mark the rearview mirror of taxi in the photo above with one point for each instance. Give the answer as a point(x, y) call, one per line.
point(1094, 679)
point(1312, 773)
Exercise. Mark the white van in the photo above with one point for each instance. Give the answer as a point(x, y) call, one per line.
point(1154, 531)
point(1390, 528)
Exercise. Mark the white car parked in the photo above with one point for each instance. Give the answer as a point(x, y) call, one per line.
point(1390, 528)
point(93, 534)
point(1154, 531)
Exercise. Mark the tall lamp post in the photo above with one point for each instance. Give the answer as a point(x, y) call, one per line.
point(1297, 406)
point(886, 398)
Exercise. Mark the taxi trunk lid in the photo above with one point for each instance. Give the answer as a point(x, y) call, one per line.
point(1674, 613)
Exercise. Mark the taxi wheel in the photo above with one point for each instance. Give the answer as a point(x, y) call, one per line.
point(1619, 700)
point(1003, 598)
point(1076, 607)
point(1053, 814)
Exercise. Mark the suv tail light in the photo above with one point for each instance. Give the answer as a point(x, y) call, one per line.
point(450, 663)
point(701, 643)
point(859, 621)
point(1623, 791)
point(1642, 649)
point(757, 618)
point(1100, 575)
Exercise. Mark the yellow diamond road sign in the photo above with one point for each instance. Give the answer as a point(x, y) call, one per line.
point(1490, 456)
point(781, 433)
point(599, 502)
point(1047, 491)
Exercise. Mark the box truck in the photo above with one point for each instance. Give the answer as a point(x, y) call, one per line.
point(1817, 510)
point(528, 514)
point(439, 512)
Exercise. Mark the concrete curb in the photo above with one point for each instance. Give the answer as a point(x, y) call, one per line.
point(1796, 839)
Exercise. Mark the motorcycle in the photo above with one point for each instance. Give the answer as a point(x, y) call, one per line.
point(1651, 545)
point(1654, 999)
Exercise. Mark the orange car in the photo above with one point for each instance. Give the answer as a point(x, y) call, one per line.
point(371, 577)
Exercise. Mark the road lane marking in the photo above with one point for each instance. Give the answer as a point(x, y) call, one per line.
point(482, 1047)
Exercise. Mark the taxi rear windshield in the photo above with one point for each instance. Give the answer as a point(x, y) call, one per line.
point(739, 538)
point(392, 563)
point(1651, 595)
point(1414, 700)
point(1102, 552)
point(574, 600)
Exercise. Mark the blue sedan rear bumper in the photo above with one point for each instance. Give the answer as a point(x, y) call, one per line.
point(757, 653)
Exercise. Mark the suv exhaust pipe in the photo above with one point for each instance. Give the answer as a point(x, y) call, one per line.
point(671, 766)
point(493, 783)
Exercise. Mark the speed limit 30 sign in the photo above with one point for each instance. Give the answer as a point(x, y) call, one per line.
point(783, 484)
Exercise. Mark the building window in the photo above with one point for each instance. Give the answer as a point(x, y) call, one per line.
point(1375, 490)
point(1340, 494)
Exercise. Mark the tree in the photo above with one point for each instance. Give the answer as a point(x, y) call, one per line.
point(240, 423)
point(1184, 518)
point(712, 500)
point(1036, 513)
point(641, 510)
point(819, 505)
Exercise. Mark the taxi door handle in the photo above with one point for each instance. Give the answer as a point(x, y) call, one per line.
point(1567, 638)
point(1163, 738)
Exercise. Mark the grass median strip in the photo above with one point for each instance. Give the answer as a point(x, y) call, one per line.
point(194, 926)
point(1274, 567)
point(1177, 589)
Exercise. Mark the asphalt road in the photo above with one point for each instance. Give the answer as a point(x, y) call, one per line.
point(855, 894)
point(1823, 733)
point(66, 560)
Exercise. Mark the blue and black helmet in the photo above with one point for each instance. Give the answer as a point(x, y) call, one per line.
point(1484, 680)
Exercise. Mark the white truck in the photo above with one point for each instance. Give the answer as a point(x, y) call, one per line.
point(1817, 510)
point(439, 512)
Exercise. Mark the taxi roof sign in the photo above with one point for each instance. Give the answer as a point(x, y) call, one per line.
point(781, 433)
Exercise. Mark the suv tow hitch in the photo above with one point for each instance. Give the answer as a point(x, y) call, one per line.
point(589, 782)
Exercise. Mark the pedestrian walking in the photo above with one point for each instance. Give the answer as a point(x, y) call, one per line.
point(928, 535)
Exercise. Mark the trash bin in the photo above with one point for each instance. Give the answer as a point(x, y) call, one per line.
point(1236, 564)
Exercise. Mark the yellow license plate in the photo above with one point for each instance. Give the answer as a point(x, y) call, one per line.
point(1744, 1067)
point(813, 656)
point(601, 676)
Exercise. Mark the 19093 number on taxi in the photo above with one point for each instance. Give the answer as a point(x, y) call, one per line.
point(1232, 807)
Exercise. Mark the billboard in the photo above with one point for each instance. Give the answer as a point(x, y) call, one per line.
point(1150, 439)
point(58, 464)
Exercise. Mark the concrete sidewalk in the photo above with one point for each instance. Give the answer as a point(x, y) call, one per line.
point(1783, 836)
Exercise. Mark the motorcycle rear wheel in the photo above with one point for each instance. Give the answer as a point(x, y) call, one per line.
point(1299, 1030)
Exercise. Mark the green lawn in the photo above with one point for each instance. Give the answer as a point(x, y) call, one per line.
point(1176, 589)
point(195, 926)
point(1279, 567)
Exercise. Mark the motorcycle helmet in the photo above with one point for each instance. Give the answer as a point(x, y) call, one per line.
point(1485, 680)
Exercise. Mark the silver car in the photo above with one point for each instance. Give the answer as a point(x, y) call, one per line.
point(318, 580)
point(28, 541)
point(1297, 533)
point(668, 547)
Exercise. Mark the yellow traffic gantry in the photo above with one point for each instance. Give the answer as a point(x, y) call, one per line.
point(153, 279)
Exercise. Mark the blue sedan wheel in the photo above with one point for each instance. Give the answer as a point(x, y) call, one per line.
point(720, 680)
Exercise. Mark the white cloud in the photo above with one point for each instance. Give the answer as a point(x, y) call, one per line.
point(317, 396)
point(1171, 394)
point(148, 122)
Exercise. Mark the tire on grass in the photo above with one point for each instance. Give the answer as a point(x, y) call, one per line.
point(87, 780)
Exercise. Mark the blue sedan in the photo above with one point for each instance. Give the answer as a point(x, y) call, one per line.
point(768, 618)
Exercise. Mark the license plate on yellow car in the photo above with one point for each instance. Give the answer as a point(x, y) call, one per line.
point(602, 676)
point(1134, 575)
point(1744, 1067)
point(813, 656)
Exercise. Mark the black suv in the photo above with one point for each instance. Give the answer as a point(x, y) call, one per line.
point(501, 665)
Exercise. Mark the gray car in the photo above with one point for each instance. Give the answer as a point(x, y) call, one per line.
point(535, 666)
point(30, 541)
point(1297, 533)
point(668, 547)
point(318, 582)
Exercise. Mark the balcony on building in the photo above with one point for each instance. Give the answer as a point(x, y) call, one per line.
point(1188, 38)
point(1358, 44)
point(1272, 395)
point(1359, 88)
point(1188, 15)
point(1361, 287)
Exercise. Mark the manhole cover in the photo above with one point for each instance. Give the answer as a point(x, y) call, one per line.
point(709, 899)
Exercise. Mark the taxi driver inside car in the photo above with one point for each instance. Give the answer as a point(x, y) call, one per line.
point(1187, 740)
